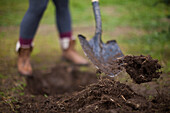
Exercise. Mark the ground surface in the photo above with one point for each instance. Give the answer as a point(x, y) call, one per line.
point(65, 88)
point(104, 96)
point(140, 27)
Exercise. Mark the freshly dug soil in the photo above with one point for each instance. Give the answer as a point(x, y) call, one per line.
point(141, 68)
point(66, 89)
point(106, 96)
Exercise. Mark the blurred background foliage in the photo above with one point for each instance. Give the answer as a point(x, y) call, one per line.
point(143, 26)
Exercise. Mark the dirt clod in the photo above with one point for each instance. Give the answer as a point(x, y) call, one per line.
point(142, 68)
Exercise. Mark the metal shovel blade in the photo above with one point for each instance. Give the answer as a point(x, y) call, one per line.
point(102, 55)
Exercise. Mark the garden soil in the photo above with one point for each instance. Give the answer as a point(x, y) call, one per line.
point(67, 89)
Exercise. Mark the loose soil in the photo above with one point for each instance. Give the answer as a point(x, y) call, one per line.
point(106, 96)
point(67, 89)
point(142, 68)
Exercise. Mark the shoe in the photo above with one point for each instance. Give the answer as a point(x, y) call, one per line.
point(24, 64)
point(70, 54)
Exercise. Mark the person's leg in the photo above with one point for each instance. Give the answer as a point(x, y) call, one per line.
point(63, 21)
point(67, 42)
point(31, 21)
point(28, 29)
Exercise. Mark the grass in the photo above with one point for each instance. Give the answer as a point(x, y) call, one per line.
point(2, 76)
point(131, 13)
point(148, 16)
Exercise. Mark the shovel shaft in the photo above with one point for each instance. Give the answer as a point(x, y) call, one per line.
point(95, 0)
point(97, 15)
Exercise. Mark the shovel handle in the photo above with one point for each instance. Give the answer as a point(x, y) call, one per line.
point(96, 10)
point(95, 0)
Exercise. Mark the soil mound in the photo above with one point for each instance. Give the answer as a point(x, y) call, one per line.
point(141, 68)
point(105, 96)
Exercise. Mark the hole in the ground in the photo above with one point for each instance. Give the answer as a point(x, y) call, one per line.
point(61, 79)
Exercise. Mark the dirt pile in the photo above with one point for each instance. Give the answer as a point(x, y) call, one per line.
point(141, 68)
point(106, 96)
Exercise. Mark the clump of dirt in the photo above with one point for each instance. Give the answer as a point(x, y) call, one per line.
point(141, 68)
point(105, 96)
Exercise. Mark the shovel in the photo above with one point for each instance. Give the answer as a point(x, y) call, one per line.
point(102, 55)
